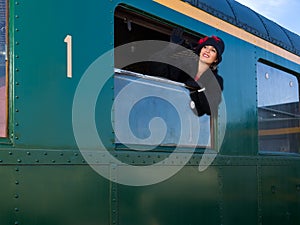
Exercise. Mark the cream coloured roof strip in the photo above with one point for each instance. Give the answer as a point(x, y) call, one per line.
point(208, 19)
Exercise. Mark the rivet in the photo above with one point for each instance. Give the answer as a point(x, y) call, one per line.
point(17, 97)
point(16, 223)
point(76, 154)
point(17, 83)
point(17, 169)
point(16, 196)
point(17, 182)
point(17, 110)
point(273, 189)
point(53, 161)
point(61, 154)
point(17, 56)
point(267, 76)
point(17, 124)
point(1, 161)
point(19, 160)
point(45, 153)
point(37, 160)
point(10, 153)
point(17, 209)
point(17, 3)
point(28, 153)
point(16, 29)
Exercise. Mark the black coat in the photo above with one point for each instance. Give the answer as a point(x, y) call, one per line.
point(208, 100)
point(181, 65)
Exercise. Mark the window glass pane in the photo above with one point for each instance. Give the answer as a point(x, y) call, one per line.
point(3, 98)
point(278, 110)
point(145, 113)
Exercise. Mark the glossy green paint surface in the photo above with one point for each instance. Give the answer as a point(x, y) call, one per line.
point(43, 108)
point(280, 195)
point(58, 187)
point(43, 96)
point(175, 201)
point(44, 178)
point(55, 195)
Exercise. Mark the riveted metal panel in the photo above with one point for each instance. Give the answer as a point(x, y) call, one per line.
point(239, 199)
point(43, 110)
point(277, 33)
point(294, 39)
point(58, 195)
point(248, 19)
point(280, 194)
point(214, 7)
point(8, 195)
point(190, 197)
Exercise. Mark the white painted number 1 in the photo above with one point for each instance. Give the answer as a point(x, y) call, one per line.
point(68, 40)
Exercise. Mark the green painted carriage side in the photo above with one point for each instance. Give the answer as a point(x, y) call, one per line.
point(46, 181)
point(43, 95)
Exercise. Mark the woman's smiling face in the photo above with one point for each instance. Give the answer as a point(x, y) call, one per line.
point(208, 54)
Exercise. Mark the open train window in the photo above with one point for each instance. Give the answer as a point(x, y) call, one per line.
point(150, 110)
point(3, 69)
point(278, 109)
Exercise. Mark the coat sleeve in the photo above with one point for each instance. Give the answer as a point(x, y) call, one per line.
point(173, 62)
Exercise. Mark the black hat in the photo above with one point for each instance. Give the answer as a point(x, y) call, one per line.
point(213, 41)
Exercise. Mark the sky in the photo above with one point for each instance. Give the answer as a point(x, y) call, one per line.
point(283, 12)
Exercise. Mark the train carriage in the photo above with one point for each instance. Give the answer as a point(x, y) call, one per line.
point(89, 136)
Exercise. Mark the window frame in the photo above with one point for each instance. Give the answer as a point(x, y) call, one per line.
point(129, 14)
point(277, 132)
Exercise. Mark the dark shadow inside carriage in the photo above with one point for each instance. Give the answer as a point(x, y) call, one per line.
point(130, 26)
point(279, 128)
point(149, 109)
